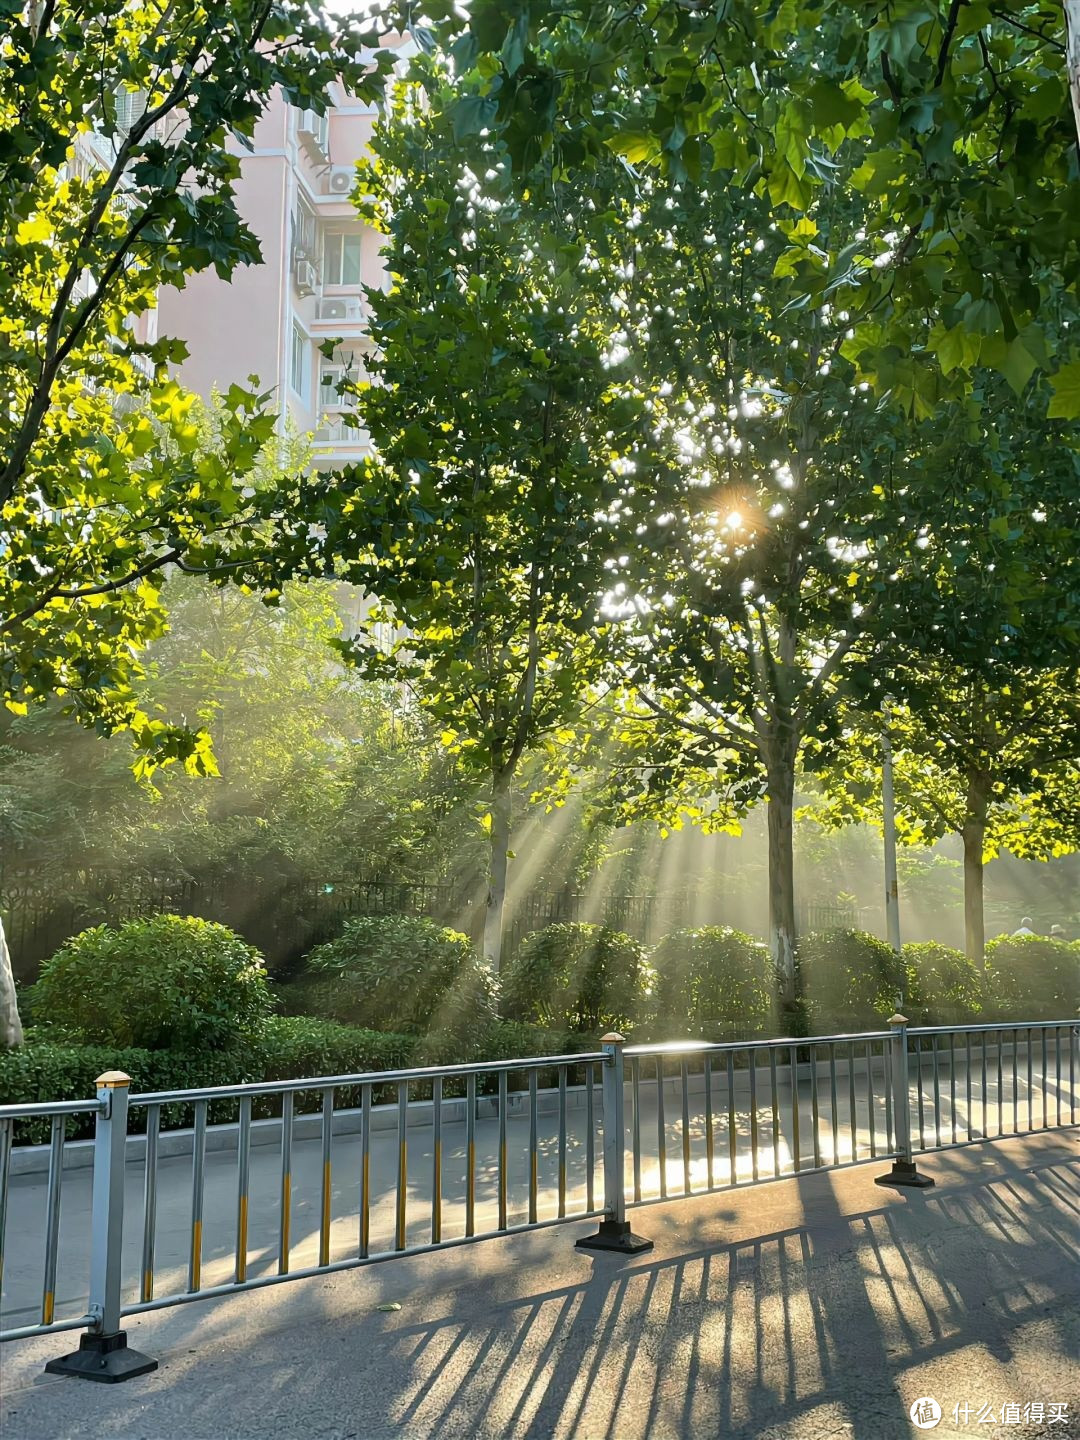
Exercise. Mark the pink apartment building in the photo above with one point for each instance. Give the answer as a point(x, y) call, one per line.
point(271, 319)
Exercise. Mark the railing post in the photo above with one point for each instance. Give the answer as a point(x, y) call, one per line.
point(103, 1352)
point(904, 1171)
point(614, 1232)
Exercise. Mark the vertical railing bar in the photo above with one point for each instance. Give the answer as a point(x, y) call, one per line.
point(436, 1159)
point(635, 1096)
point(1074, 1041)
point(502, 1149)
point(937, 1092)
point(562, 1141)
point(1030, 1082)
point(796, 1144)
point(952, 1086)
point(890, 1103)
point(1015, 1084)
point(815, 1118)
point(1000, 1086)
point(52, 1219)
point(967, 1051)
point(470, 1155)
point(751, 1065)
point(326, 1194)
point(285, 1213)
point(661, 1127)
point(984, 1131)
point(685, 1076)
point(834, 1115)
point(198, 1189)
point(402, 1164)
point(710, 1147)
point(243, 1171)
point(1046, 1123)
point(365, 1171)
point(146, 1269)
point(534, 1149)
point(775, 1099)
point(1057, 1070)
point(853, 1113)
point(732, 1154)
point(590, 1139)
point(919, 1092)
point(897, 1099)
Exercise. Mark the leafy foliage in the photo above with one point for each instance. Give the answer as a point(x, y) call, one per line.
point(168, 982)
point(584, 978)
point(118, 179)
point(851, 980)
point(944, 985)
point(402, 973)
point(711, 984)
point(1032, 977)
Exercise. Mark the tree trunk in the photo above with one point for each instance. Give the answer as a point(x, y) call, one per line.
point(974, 835)
point(496, 896)
point(1072, 46)
point(11, 1032)
point(780, 807)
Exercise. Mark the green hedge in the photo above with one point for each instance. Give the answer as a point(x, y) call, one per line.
point(1031, 977)
point(585, 979)
point(282, 1049)
point(850, 979)
point(944, 986)
point(401, 973)
point(168, 981)
point(712, 983)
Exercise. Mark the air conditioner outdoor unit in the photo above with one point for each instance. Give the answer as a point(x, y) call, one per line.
point(342, 179)
point(333, 309)
point(306, 277)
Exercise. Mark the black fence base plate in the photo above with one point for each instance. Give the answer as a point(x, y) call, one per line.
point(904, 1172)
point(105, 1358)
point(615, 1235)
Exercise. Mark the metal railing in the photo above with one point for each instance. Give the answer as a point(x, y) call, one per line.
point(350, 1170)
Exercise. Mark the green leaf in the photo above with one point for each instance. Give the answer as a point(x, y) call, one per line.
point(472, 114)
point(1066, 387)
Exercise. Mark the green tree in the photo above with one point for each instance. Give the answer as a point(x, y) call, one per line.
point(498, 417)
point(118, 166)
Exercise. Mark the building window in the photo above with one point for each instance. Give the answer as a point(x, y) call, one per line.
point(303, 231)
point(341, 258)
point(298, 361)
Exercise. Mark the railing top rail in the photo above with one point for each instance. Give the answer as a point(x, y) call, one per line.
point(697, 1047)
point(370, 1077)
point(32, 1110)
point(993, 1027)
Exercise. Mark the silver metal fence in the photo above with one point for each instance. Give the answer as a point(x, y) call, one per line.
point(338, 1173)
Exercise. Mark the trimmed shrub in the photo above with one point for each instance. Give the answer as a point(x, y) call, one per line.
point(1031, 977)
point(281, 1049)
point(582, 978)
point(401, 973)
point(713, 983)
point(850, 980)
point(944, 987)
point(168, 981)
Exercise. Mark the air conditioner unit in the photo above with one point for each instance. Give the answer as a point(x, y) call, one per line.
point(342, 179)
point(313, 129)
point(307, 277)
point(341, 307)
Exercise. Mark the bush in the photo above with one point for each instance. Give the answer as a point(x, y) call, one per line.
point(711, 984)
point(167, 981)
point(582, 978)
point(1031, 977)
point(281, 1049)
point(944, 988)
point(401, 973)
point(850, 980)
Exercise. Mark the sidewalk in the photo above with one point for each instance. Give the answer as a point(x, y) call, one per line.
point(793, 1310)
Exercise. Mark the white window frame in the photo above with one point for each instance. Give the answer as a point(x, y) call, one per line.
point(337, 239)
point(299, 348)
